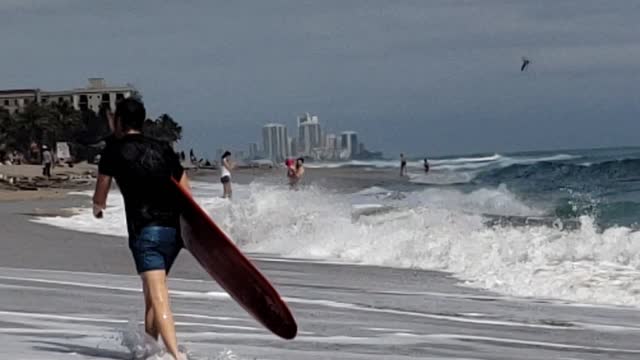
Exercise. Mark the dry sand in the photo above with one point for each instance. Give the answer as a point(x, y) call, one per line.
point(63, 180)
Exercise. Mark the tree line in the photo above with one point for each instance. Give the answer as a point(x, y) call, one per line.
point(27, 130)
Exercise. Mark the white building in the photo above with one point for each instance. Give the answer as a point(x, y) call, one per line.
point(309, 134)
point(331, 143)
point(291, 146)
point(92, 97)
point(349, 143)
point(275, 142)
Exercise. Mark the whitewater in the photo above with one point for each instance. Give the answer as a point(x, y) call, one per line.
point(444, 228)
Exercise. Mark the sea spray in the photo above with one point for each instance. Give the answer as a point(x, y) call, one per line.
point(443, 228)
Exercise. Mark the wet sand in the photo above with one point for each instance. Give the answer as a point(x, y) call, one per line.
point(66, 295)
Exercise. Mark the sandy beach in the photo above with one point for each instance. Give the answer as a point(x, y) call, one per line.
point(74, 294)
point(25, 182)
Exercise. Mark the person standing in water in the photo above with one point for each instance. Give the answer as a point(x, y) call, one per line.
point(403, 165)
point(143, 168)
point(225, 174)
point(291, 171)
point(426, 165)
point(297, 174)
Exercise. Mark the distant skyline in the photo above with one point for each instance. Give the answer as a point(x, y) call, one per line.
point(420, 77)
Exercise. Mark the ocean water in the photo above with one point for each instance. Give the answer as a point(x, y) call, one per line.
point(558, 224)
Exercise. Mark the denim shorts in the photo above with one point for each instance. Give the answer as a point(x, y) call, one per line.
point(155, 248)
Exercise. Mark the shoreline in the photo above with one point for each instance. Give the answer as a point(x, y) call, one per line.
point(25, 182)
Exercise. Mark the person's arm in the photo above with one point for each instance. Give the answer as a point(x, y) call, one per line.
point(300, 172)
point(103, 184)
point(228, 164)
point(184, 182)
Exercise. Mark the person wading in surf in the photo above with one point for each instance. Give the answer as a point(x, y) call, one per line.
point(225, 174)
point(297, 174)
point(403, 165)
point(143, 168)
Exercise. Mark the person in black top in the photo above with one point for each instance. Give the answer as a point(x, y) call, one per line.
point(143, 168)
point(403, 165)
point(426, 165)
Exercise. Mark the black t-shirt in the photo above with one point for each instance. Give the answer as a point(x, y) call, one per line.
point(142, 168)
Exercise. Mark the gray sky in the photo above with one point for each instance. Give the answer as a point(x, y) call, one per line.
point(423, 77)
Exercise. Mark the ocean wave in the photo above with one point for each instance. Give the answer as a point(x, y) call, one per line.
point(437, 229)
point(549, 173)
point(461, 163)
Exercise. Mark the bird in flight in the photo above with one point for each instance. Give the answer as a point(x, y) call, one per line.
point(525, 63)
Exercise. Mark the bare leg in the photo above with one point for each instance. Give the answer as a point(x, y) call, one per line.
point(158, 294)
point(227, 190)
point(149, 320)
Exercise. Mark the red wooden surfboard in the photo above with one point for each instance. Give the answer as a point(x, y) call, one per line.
point(232, 270)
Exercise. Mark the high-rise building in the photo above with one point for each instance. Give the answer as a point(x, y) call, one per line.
point(253, 151)
point(349, 143)
point(275, 142)
point(332, 142)
point(290, 146)
point(309, 134)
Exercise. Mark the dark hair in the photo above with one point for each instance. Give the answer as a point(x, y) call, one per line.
point(300, 159)
point(131, 113)
point(226, 153)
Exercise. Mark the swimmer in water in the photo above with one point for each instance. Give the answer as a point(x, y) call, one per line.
point(297, 174)
point(291, 171)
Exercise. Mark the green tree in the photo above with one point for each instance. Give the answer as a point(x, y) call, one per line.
point(34, 123)
point(5, 123)
point(164, 128)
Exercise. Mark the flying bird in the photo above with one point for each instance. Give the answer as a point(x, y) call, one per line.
point(525, 63)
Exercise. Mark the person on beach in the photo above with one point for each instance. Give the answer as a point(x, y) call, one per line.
point(225, 174)
point(403, 165)
point(426, 165)
point(142, 168)
point(291, 171)
point(47, 161)
point(297, 174)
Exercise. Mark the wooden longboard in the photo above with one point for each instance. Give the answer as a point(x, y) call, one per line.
point(231, 269)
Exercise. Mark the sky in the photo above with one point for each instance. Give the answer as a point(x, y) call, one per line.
point(420, 77)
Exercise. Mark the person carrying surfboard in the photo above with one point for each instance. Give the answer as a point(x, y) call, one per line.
point(225, 174)
point(143, 168)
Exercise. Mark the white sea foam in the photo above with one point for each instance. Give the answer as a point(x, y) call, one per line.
point(462, 163)
point(441, 229)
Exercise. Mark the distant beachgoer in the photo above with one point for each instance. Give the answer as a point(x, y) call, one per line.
point(225, 174)
point(47, 161)
point(34, 153)
point(18, 158)
point(403, 165)
point(291, 171)
point(142, 167)
point(426, 165)
point(298, 173)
